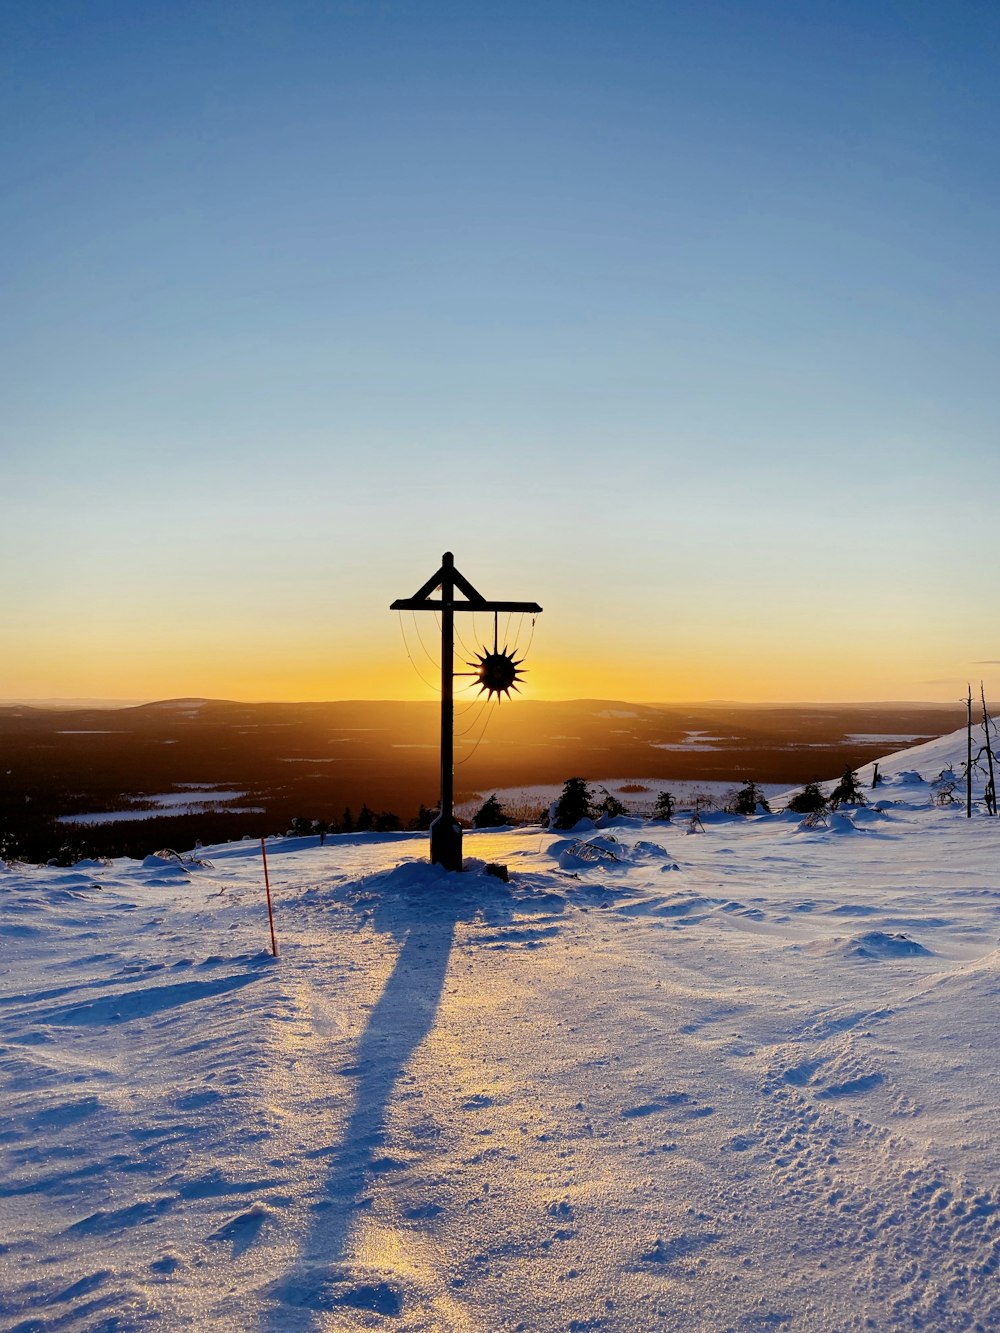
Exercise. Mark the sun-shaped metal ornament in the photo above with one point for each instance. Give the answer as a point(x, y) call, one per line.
point(498, 671)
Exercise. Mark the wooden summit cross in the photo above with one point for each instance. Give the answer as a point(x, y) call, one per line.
point(497, 673)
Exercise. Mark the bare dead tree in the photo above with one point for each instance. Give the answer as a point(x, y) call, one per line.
point(987, 749)
point(943, 788)
point(968, 758)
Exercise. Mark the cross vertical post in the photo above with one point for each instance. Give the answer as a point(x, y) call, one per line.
point(446, 832)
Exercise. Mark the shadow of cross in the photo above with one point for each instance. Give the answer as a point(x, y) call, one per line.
point(322, 1280)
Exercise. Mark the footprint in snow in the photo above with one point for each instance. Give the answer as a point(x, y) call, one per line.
point(242, 1230)
point(328, 1289)
point(422, 1212)
point(800, 1074)
point(381, 1165)
point(853, 1086)
point(197, 1101)
point(677, 1247)
point(665, 1103)
point(167, 1264)
point(742, 1142)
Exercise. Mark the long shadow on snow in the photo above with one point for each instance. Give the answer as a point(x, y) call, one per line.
point(322, 1280)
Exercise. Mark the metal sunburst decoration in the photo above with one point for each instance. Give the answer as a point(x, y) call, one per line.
point(497, 672)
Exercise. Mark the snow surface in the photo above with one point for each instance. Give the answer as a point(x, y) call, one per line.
point(193, 799)
point(693, 740)
point(736, 1079)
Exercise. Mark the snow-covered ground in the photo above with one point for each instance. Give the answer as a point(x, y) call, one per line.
point(742, 1078)
point(192, 799)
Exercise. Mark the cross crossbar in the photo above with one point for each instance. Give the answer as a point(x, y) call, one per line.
point(448, 579)
point(419, 603)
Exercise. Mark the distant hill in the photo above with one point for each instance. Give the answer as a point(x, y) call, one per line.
point(63, 704)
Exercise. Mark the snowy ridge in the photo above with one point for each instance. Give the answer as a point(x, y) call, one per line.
point(738, 1078)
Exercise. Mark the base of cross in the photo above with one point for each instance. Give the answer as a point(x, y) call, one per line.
point(446, 843)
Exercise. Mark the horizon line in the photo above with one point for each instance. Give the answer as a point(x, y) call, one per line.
point(55, 703)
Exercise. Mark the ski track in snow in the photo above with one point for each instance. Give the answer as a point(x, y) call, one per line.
point(740, 1079)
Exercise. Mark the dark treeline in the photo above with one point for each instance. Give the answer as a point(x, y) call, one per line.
point(281, 762)
point(42, 840)
point(66, 844)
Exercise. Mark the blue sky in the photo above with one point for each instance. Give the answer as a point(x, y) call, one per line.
point(678, 318)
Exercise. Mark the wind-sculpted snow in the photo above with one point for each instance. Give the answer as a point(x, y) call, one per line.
point(739, 1080)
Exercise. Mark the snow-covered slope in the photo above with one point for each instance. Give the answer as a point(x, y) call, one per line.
point(929, 760)
point(741, 1078)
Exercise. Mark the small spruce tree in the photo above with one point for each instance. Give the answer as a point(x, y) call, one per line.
point(811, 800)
point(365, 821)
point(847, 791)
point(664, 807)
point(610, 806)
point(490, 814)
point(748, 798)
point(573, 805)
